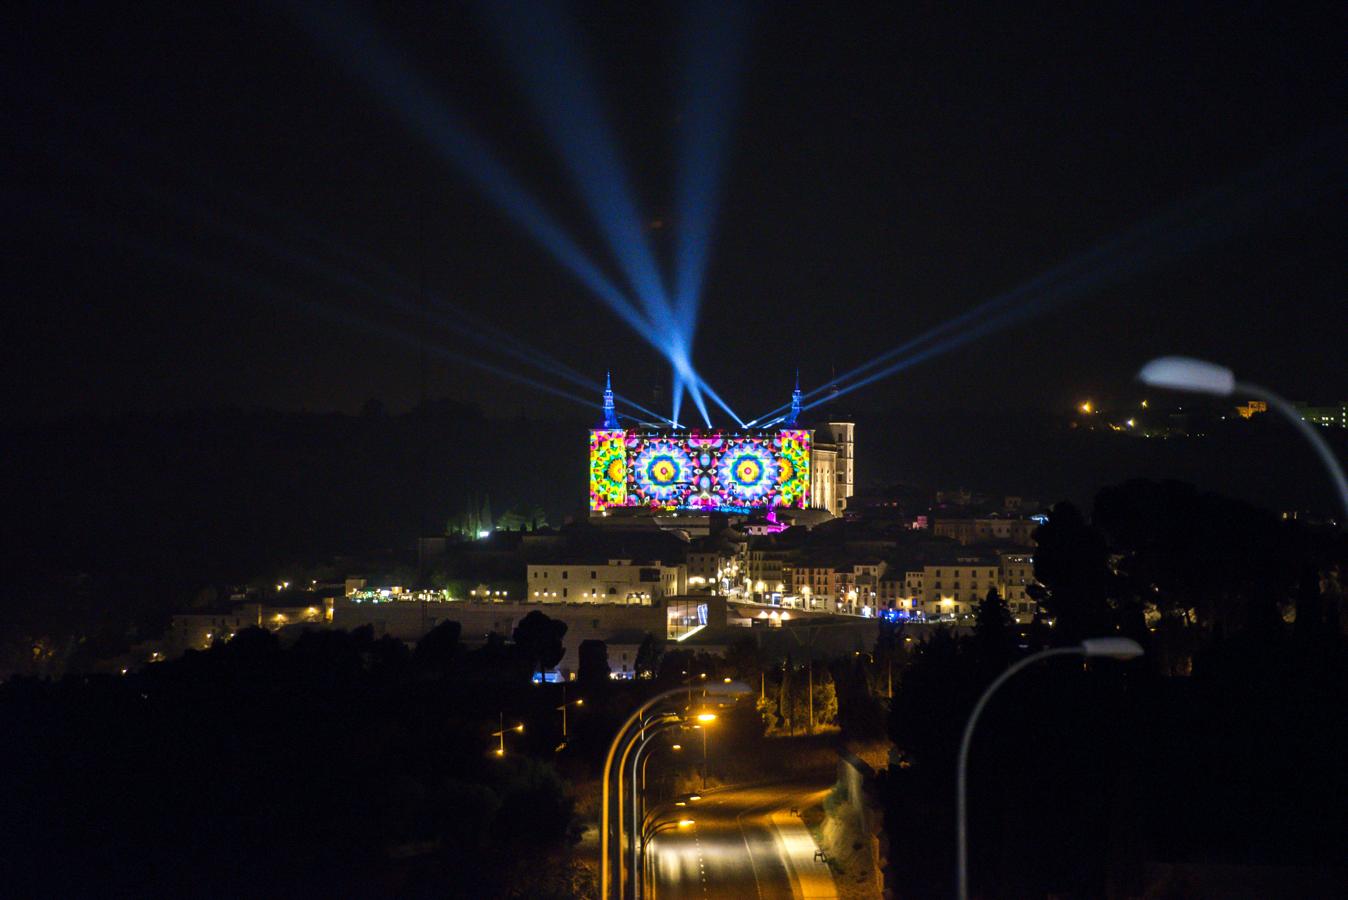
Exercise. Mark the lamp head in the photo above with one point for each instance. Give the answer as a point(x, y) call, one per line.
point(1112, 647)
point(1183, 373)
point(684, 823)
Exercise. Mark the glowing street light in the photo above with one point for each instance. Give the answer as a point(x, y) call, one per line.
point(622, 741)
point(579, 701)
point(1106, 647)
point(1196, 376)
point(500, 751)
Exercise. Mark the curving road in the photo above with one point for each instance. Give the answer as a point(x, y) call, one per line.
point(745, 844)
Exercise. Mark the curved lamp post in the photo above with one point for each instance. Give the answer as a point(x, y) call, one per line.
point(645, 727)
point(1107, 647)
point(1195, 376)
point(624, 737)
point(638, 799)
point(648, 834)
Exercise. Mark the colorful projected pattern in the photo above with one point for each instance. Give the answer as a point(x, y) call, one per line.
point(746, 473)
point(700, 470)
point(608, 469)
point(662, 472)
point(793, 467)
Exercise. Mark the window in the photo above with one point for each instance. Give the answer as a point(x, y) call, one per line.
point(563, 592)
point(611, 590)
point(592, 575)
point(564, 573)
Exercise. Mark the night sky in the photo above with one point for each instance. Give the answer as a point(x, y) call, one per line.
point(890, 166)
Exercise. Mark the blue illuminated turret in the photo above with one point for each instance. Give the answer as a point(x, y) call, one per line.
point(795, 403)
point(610, 415)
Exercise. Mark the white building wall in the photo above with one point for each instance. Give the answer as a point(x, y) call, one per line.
point(618, 581)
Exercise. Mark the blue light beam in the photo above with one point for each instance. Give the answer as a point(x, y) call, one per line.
point(353, 41)
point(1213, 217)
point(712, 41)
point(544, 52)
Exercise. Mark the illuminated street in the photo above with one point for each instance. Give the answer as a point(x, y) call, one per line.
point(746, 843)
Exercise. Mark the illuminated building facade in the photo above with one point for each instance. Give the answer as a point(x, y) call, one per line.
point(612, 581)
point(743, 470)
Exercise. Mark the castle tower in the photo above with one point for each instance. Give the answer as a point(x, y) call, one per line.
point(842, 436)
point(610, 415)
point(793, 417)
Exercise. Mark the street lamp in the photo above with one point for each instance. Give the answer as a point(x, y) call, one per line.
point(579, 701)
point(1181, 373)
point(638, 804)
point(500, 751)
point(705, 719)
point(1106, 647)
point(651, 829)
point(622, 739)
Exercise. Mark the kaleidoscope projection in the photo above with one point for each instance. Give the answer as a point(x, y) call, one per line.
point(700, 470)
point(793, 467)
point(746, 473)
point(661, 472)
point(608, 469)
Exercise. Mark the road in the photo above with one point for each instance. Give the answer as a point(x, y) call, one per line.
point(745, 843)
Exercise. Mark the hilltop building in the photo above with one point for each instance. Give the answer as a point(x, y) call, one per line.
point(780, 468)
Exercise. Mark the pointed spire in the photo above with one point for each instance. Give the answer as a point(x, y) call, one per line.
point(610, 415)
point(795, 403)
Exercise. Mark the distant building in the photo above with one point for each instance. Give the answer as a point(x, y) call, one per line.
point(1015, 576)
point(198, 630)
point(956, 587)
point(780, 465)
point(613, 581)
point(622, 627)
point(1326, 416)
point(986, 530)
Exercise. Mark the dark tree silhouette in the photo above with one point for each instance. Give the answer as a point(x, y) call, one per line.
point(994, 640)
point(592, 670)
point(648, 658)
point(438, 650)
point(1071, 565)
point(539, 640)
